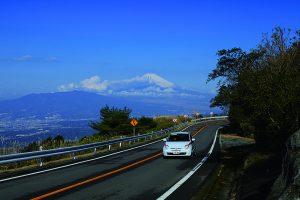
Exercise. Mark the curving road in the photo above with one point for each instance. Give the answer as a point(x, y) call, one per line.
point(140, 173)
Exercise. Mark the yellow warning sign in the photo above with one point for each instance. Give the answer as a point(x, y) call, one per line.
point(134, 122)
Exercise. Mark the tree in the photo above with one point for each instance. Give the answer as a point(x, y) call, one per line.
point(58, 140)
point(164, 122)
point(261, 88)
point(113, 121)
point(34, 146)
point(146, 124)
point(48, 143)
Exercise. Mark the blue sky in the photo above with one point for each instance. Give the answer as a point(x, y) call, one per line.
point(45, 44)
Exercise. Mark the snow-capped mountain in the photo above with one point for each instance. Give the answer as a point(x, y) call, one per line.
point(37, 116)
point(153, 79)
point(148, 94)
point(147, 85)
point(84, 105)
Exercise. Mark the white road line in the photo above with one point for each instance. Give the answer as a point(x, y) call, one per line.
point(80, 162)
point(189, 126)
point(186, 177)
point(77, 163)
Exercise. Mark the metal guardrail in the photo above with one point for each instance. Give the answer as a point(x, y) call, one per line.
point(5, 159)
point(210, 118)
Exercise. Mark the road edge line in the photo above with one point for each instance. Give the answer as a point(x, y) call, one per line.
point(188, 175)
point(77, 163)
point(84, 161)
point(81, 162)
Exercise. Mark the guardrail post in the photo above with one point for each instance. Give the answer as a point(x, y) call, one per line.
point(95, 151)
point(121, 143)
point(73, 156)
point(40, 162)
point(138, 138)
point(109, 147)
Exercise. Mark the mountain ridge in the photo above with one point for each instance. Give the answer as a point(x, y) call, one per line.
point(82, 104)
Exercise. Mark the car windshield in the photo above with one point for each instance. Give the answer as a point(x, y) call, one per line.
point(179, 138)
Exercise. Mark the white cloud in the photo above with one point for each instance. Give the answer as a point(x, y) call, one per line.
point(185, 94)
point(24, 58)
point(94, 83)
point(147, 91)
point(150, 85)
point(52, 58)
point(67, 87)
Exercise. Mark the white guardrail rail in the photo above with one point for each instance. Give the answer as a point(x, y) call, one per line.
point(11, 158)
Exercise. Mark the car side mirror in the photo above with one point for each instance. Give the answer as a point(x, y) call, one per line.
point(164, 139)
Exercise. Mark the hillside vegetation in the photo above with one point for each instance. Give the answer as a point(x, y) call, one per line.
point(260, 88)
point(113, 123)
point(116, 121)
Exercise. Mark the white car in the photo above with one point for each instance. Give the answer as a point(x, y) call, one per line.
point(179, 144)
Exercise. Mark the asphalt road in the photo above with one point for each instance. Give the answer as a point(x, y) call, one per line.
point(137, 174)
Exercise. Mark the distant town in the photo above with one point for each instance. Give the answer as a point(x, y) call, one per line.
point(26, 130)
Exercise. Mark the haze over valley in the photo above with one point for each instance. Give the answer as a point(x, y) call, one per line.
point(70, 110)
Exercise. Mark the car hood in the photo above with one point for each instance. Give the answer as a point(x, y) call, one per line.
point(177, 144)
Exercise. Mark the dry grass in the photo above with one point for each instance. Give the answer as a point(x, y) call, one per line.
point(30, 164)
point(235, 136)
point(233, 140)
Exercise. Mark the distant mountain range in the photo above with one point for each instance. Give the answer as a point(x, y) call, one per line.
point(68, 112)
point(86, 105)
point(149, 95)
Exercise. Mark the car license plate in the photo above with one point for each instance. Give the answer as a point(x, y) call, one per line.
point(176, 152)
